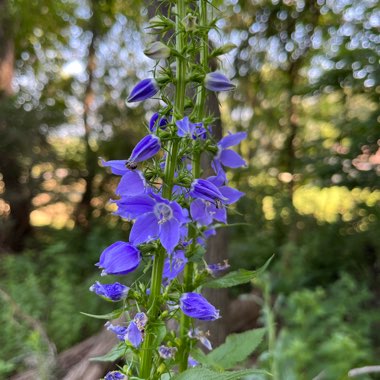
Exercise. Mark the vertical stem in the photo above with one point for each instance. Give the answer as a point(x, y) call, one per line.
point(199, 113)
point(170, 165)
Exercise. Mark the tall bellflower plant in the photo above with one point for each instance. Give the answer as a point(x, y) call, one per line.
point(173, 208)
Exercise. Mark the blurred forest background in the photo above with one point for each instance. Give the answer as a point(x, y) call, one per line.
point(308, 79)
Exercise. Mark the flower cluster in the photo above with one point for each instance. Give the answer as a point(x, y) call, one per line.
point(171, 206)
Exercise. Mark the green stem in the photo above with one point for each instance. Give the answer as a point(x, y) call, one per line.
point(170, 165)
point(201, 95)
point(199, 113)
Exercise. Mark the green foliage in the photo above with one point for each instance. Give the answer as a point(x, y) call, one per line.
point(115, 353)
point(48, 288)
point(238, 277)
point(206, 374)
point(328, 331)
point(236, 349)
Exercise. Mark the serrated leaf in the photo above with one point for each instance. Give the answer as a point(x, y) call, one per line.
point(241, 276)
point(116, 353)
point(236, 348)
point(113, 315)
point(206, 374)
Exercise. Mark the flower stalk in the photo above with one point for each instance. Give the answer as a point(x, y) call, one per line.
point(172, 208)
point(170, 166)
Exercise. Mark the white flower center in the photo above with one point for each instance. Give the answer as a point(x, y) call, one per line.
point(163, 212)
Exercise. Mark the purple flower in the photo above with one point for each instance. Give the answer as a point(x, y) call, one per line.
point(174, 265)
point(214, 269)
point(141, 320)
point(143, 90)
point(119, 258)
point(157, 121)
point(132, 181)
point(146, 148)
point(191, 362)
point(194, 130)
point(135, 330)
point(167, 352)
point(204, 212)
point(134, 335)
point(120, 331)
point(115, 375)
point(216, 81)
point(201, 336)
point(196, 306)
point(228, 157)
point(155, 216)
point(113, 292)
point(204, 189)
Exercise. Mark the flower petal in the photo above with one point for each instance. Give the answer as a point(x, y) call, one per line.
point(231, 194)
point(232, 139)
point(117, 166)
point(199, 212)
point(144, 229)
point(231, 159)
point(132, 207)
point(169, 234)
point(131, 183)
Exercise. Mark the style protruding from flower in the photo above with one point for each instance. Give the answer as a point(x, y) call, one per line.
point(143, 90)
point(119, 258)
point(112, 292)
point(196, 306)
point(216, 81)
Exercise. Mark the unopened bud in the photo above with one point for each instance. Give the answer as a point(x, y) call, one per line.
point(157, 50)
point(190, 23)
point(223, 49)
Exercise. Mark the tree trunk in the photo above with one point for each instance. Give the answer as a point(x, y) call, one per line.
point(84, 208)
point(17, 193)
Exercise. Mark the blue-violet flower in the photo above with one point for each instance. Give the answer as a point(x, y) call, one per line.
point(216, 81)
point(112, 292)
point(115, 375)
point(155, 216)
point(143, 90)
point(196, 306)
point(119, 258)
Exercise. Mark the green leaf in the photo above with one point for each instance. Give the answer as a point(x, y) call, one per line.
point(241, 276)
point(113, 315)
point(115, 353)
point(206, 374)
point(236, 349)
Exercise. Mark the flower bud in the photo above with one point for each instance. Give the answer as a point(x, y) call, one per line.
point(224, 49)
point(143, 90)
point(190, 22)
point(216, 81)
point(157, 50)
point(196, 306)
point(167, 352)
point(119, 258)
point(146, 148)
